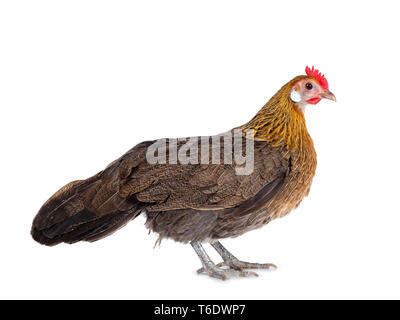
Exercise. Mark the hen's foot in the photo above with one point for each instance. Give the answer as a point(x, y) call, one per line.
point(222, 273)
point(232, 262)
point(240, 265)
point(212, 270)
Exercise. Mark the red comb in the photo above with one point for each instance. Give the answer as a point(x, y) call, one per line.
point(320, 77)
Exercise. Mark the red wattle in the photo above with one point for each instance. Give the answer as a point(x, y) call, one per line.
point(314, 100)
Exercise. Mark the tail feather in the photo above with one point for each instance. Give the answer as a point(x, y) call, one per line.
point(70, 223)
point(66, 217)
point(112, 224)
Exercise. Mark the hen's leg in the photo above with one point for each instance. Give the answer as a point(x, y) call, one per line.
point(211, 269)
point(232, 262)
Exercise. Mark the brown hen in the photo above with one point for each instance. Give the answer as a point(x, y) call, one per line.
point(195, 191)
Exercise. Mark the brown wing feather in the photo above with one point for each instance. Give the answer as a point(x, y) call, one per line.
point(166, 187)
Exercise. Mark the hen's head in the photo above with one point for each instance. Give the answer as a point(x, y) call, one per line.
point(310, 89)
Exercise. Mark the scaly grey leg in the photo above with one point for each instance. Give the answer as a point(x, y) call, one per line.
point(214, 271)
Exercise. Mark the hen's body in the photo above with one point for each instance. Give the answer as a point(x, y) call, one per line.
point(219, 204)
point(191, 202)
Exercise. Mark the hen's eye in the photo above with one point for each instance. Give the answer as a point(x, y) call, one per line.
point(309, 86)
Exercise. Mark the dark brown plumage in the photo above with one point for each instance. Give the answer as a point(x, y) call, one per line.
point(192, 202)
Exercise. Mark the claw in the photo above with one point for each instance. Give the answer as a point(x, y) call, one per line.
point(201, 270)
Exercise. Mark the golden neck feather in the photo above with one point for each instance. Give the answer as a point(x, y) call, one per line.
point(280, 122)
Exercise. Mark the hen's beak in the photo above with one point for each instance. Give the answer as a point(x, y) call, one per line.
point(326, 94)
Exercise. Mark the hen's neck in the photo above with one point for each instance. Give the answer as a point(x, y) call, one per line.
point(281, 123)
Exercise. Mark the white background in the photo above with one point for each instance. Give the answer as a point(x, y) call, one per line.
point(81, 82)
